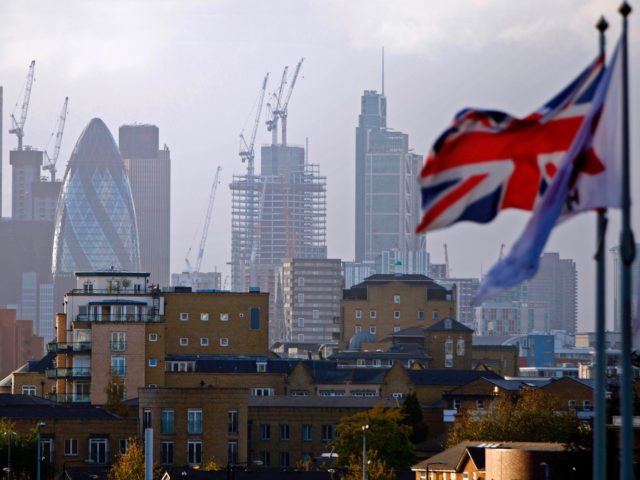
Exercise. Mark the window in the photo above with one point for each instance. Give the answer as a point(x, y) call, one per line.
point(456, 404)
point(358, 328)
point(118, 366)
point(265, 431)
point(307, 432)
point(232, 416)
point(398, 395)
point(479, 404)
point(301, 281)
point(184, 316)
point(586, 404)
point(184, 341)
point(194, 420)
point(265, 458)
point(435, 315)
point(224, 342)
point(224, 317)
point(396, 299)
point(254, 318)
point(284, 432)
point(153, 362)
point(99, 450)
point(204, 342)
point(262, 392)
point(372, 330)
point(168, 417)
point(284, 459)
point(358, 314)
point(204, 317)
point(301, 298)
point(123, 446)
point(460, 347)
point(396, 329)
point(327, 432)
point(146, 418)
point(153, 337)
point(361, 362)
point(301, 337)
point(396, 314)
point(28, 389)
point(420, 314)
point(166, 452)
point(571, 404)
point(377, 362)
point(301, 322)
point(315, 314)
point(261, 367)
point(70, 447)
point(232, 452)
point(194, 452)
point(372, 314)
point(118, 341)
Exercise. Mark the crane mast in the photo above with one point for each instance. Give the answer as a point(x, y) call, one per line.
point(205, 230)
point(53, 159)
point(283, 112)
point(272, 122)
point(18, 126)
point(247, 151)
point(447, 269)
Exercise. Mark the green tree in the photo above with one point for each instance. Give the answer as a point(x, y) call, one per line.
point(412, 413)
point(115, 390)
point(531, 416)
point(376, 468)
point(387, 438)
point(23, 452)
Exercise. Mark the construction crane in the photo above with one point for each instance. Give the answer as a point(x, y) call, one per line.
point(53, 158)
point(205, 229)
point(272, 122)
point(17, 127)
point(283, 110)
point(447, 270)
point(246, 148)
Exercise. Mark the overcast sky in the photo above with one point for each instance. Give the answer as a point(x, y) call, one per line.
point(194, 69)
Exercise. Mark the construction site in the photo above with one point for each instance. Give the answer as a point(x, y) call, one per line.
point(279, 212)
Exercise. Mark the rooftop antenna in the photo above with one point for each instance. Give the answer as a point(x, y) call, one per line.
point(383, 71)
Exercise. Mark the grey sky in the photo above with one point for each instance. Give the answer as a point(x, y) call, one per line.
point(194, 68)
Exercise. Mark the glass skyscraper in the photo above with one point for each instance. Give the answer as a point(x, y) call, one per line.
point(95, 227)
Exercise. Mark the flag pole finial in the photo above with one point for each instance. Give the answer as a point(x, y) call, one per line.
point(602, 24)
point(625, 9)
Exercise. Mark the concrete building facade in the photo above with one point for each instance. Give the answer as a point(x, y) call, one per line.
point(149, 170)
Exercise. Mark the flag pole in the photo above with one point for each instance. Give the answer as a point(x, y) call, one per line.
point(627, 250)
point(600, 421)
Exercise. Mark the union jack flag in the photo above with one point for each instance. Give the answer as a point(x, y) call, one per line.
point(488, 161)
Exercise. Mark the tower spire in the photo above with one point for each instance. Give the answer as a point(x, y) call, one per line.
point(383, 70)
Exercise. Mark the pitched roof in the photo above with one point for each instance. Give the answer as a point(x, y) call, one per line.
point(447, 460)
point(448, 325)
point(477, 456)
point(449, 377)
point(32, 407)
point(39, 366)
point(359, 291)
point(314, 401)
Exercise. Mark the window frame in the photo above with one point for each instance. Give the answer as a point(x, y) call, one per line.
point(194, 425)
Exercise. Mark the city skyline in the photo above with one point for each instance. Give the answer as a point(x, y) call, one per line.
point(421, 103)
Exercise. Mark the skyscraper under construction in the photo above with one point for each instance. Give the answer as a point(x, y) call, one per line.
point(280, 212)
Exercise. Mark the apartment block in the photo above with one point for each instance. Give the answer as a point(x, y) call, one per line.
point(384, 304)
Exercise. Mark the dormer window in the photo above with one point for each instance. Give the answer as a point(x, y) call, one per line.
point(447, 323)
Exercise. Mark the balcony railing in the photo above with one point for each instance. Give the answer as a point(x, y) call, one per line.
point(72, 372)
point(119, 371)
point(69, 397)
point(69, 347)
point(124, 317)
point(118, 346)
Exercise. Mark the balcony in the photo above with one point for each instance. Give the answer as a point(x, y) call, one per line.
point(125, 317)
point(72, 372)
point(69, 397)
point(119, 371)
point(70, 347)
point(118, 346)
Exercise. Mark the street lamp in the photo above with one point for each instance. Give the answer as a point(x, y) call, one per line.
point(364, 451)
point(38, 426)
point(8, 469)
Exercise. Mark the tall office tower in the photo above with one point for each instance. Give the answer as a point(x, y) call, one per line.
point(45, 199)
point(198, 281)
point(149, 170)
point(308, 296)
point(280, 213)
point(466, 289)
point(617, 287)
point(387, 194)
point(26, 169)
point(556, 283)
point(95, 227)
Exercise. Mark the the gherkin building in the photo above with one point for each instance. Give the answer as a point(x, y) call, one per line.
point(95, 227)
